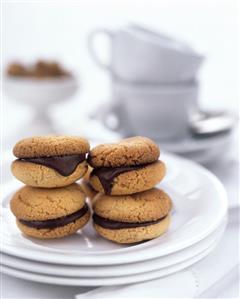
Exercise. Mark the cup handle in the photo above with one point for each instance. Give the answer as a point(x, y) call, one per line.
point(105, 112)
point(92, 49)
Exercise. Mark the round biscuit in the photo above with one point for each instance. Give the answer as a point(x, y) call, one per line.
point(43, 204)
point(134, 235)
point(44, 146)
point(55, 233)
point(131, 151)
point(37, 175)
point(145, 206)
point(133, 181)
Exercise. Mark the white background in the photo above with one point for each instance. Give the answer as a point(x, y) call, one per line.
point(55, 29)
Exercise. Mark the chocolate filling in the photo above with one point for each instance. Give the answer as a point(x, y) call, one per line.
point(112, 224)
point(106, 175)
point(58, 222)
point(65, 165)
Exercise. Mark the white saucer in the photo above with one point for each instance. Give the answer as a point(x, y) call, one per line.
point(106, 281)
point(201, 150)
point(191, 144)
point(200, 204)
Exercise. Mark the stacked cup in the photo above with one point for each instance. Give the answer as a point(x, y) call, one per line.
point(51, 205)
point(128, 207)
point(154, 87)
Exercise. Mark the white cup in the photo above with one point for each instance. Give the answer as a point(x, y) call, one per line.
point(141, 55)
point(160, 112)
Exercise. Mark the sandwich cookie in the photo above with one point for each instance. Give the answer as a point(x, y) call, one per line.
point(50, 213)
point(50, 161)
point(132, 218)
point(126, 167)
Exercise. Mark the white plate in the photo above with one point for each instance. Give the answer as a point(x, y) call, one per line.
point(200, 204)
point(115, 270)
point(192, 144)
point(105, 281)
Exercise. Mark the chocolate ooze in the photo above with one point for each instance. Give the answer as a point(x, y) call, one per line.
point(112, 224)
point(65, 165)
point(106, 175)
point(58, 222)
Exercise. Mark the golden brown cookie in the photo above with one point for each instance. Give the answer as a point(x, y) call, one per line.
point(55, 233)
point(132, 218)
point(50, 161)
point(126, 167)
point(41, 146)
point(127, 152)
point(127, 180)
point(50, 213)
point(134, 234)
point(37, 175)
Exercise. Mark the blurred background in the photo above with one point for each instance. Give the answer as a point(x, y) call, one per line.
point(164, 69)
point(105, 70)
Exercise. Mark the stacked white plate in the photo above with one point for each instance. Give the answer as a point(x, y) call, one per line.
point(86, 259)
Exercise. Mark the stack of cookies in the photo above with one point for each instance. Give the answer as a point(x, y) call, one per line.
point(128, 208)
point(51, 205)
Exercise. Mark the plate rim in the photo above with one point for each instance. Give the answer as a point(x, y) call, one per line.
point(194, 145)
point(213, 238)
point(105, 282)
